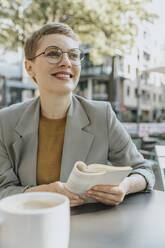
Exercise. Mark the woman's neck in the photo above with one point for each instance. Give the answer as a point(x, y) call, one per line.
point(55, 106)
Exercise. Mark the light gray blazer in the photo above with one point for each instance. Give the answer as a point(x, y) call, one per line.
point(93, 135)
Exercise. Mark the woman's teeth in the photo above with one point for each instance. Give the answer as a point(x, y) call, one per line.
point(63, 75)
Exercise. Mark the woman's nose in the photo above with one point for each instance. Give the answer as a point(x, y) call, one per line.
point(65, 60)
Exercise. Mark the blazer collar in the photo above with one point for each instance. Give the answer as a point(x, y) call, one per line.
point(29, 120)
point(77, 113)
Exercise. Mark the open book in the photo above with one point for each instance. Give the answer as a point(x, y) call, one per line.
point(83, 177)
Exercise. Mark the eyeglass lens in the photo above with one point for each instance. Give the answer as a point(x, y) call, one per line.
point(54, 55)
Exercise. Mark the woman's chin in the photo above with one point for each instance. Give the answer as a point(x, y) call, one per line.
point(64, 90)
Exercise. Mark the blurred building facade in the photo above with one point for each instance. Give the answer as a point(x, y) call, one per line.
point(13, 88)
point(139, 82)
point(139, 89)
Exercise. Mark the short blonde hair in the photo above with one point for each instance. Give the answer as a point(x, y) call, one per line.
point(31, 43)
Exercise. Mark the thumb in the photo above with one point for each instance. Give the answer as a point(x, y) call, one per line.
point(70, 194)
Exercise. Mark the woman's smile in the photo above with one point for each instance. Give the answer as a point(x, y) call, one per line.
point(62, 75)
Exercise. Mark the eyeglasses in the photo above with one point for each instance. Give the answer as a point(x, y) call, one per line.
point(54, 55)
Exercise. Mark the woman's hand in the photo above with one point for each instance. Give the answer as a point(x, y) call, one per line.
point(114, 195)
point(108, 194)
point(58, 187)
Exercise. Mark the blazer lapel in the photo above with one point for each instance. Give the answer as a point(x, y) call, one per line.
point(77, 142)
point(26, 143)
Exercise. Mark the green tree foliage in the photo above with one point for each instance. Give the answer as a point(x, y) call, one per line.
point(106, 25)
point(11, 24)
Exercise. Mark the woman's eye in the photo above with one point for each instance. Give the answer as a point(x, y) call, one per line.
point(74, 55)
point(53, 54)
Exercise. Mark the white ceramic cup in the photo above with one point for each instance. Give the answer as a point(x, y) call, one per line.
point(37, 226)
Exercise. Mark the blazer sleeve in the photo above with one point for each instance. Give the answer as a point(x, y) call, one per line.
point(9, 182)
point(123, 152)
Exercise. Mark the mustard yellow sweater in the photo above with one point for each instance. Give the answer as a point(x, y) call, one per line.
point(50, 147)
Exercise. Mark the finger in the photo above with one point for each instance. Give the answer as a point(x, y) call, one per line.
point(71, 195)
point(74, 203)
point(103, 195)
point(107, 201)
point(107, 188)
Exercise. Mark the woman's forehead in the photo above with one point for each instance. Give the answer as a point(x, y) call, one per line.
point(59, 40)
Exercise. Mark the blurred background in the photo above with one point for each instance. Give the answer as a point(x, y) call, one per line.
point(124, 44)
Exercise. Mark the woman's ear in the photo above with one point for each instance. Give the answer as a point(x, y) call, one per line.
point(29, 66)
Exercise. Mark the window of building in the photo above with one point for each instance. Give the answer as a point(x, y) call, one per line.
point(145, 35)
point(160, 98)
point(121, 58)
point(128, 91)
point(136, 92)
point(154, 97)
point(146, 56)
point(145, 76)
point(129, 68)
point(144, 93)
point(137, 72)
point(138, 54)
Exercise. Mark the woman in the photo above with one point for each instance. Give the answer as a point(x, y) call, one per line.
point(41, 139)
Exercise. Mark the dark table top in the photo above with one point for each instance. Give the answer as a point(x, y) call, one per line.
point(139, 222)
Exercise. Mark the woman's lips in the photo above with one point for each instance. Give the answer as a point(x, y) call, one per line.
point(62, 76)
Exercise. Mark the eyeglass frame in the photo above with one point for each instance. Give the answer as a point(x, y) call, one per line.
point(61, 55)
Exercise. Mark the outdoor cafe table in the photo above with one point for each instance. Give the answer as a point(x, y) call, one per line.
point(139, 222)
